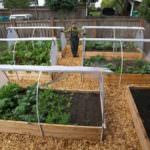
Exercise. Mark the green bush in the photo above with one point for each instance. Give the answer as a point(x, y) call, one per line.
point(144, 9)
point(16, 3)
point(20, 104)
point(62, 4)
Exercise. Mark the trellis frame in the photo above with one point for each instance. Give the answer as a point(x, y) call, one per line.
point(114, 28)
point(71, 69)
point(54, 39)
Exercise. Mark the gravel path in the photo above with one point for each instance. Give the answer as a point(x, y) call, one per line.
point(119, 135)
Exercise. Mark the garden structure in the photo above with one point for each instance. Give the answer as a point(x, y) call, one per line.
point(81, 111)
point(79, 97)
point(37, 31)
point(109, 49)
point(139, 102)
point(130, 71)
point(30, 51)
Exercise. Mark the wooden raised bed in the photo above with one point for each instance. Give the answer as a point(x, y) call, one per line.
point(125, 78)
point(128, 78)
point(85, 110)
point(141, 124)
point(111, 55)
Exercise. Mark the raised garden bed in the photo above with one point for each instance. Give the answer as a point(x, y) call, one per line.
point(27, 53)
point(64, 114)
point(111, 55)
point(105, 49)
point(134, 71)
point(139, 103)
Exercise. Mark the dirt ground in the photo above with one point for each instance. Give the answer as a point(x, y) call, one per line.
point(120, 133)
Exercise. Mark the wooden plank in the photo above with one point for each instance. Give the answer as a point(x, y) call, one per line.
point(53, 130)
point(141, 132)
point(111, 55)
point(128, 78)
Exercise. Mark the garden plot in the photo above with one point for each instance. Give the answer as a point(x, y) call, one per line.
point(29, 51)
point(77, 114)
point(128, 71)
point(73, 108)
point(106, 49)
point(139, 102)
point(111, 48)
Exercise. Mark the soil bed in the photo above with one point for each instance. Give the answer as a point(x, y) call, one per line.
point(139, 103)
point(142, 101)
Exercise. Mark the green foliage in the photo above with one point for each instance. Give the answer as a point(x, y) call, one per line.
point(119, 5)
point(107, 3)
point(144, 9)
point(8, 100)
point(62, 4)
point(16, 3)
point(28, 53)
point(134, 66)
point(107, 46)
point(20, 104)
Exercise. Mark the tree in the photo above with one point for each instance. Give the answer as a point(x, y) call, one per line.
point(62, 4)
point(16, 3)
point(144, 9)
point(119, 5)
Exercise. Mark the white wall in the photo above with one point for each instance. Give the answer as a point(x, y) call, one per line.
point(41, 2)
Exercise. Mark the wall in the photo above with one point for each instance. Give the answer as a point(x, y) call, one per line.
point(42, 13)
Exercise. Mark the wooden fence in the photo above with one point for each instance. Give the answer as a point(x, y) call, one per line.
point(43, 13)
point(81, 22)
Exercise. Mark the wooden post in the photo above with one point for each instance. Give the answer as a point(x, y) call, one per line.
point(52, 24)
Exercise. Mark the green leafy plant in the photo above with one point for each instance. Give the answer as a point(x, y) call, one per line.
point(20, 104)
point(130, 66)
point(108, 46)
point(28, 53)
point(144, 9)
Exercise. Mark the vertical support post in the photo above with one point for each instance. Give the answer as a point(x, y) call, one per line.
point(101, 89)
point(37, 105)
point(122, 57)
point(83, 51)
point(52, 24)
point(114, 36)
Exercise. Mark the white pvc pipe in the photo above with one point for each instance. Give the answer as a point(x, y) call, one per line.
point(37, 27)
point(121, 49)
point(113, 27)
point(115, 40)
point(59, 69)
point(28, 39)
point(37, 103)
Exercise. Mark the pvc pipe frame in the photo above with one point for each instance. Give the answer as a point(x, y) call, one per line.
point(115, 40)
point(55, 69)
point(70, 69)
point(37, 27)
point(28, 39)
point(113, 27)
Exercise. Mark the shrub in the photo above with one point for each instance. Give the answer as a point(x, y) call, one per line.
point(144, 9)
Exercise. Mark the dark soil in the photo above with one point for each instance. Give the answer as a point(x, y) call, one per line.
point(142, 101)
point(85, 108)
